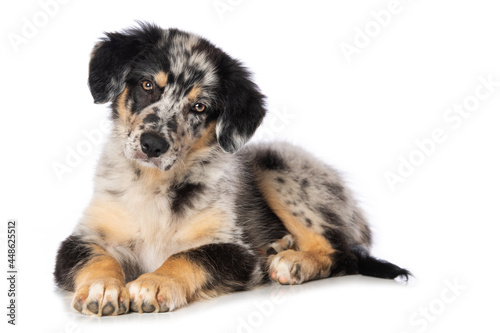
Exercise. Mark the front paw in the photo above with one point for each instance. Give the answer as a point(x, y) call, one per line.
point(101, 297)
point(153, 292)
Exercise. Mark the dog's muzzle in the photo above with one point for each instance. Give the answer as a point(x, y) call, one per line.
point(153, 145)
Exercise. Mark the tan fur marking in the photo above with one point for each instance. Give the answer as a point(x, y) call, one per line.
point(190, 275)
point(161, 79)
point(100, 281)
point(102, 267)
point(135, 120)
point(204, 140)
point(111, 219)
point(306, 240)
point(152, 177)
point(206, 225)
point(121, 105)
point(313, 253)
point(194, 93)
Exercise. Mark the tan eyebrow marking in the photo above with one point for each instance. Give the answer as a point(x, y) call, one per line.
point(161, 79)
point(193, 94)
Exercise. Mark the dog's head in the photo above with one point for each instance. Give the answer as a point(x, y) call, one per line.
point(173, 93)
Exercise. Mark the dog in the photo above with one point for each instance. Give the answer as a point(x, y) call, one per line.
point(183, 209)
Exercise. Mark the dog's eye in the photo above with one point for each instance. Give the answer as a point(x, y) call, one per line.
point(147, 85)
point(198, 107)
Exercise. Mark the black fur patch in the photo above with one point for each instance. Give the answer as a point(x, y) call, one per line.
point(242, 102)
point(370, 266)
point(172, 124)
point(140, 97)
point(72, 254)
point(330, 216)
point(112, 59)
point(344, 263)
point(183, 196)
point(132, 270)
point(151, 118)
point(251, 207)
point(270, 160)
point(271, 251)
point(228, 265)
point(337, 239)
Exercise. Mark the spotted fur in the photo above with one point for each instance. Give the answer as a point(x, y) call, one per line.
point(182, 208)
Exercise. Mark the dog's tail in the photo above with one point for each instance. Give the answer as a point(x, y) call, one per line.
point(357, 260)
point(371, 266)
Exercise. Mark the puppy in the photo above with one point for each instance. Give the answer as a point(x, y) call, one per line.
point(182, 209)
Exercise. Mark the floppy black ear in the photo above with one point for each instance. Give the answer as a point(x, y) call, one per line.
point(113, 57)
point(243, 107)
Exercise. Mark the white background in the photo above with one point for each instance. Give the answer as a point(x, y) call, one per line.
point(361, 116)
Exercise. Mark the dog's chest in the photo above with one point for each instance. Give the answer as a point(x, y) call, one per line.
point(164, 227)
point(154, 237)
point(162, 217)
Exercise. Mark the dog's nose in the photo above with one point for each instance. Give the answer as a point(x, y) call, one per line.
point(153, 145)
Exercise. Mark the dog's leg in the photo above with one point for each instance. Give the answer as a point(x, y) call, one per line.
point(204, 272)
point(313, 255)
point(312, 258)
point(331, 235)
point(320, 251)
point(319, 220)
point(97, 279)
